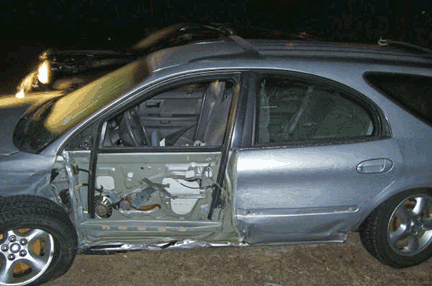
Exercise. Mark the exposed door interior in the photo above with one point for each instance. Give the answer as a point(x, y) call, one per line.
point(159, 159)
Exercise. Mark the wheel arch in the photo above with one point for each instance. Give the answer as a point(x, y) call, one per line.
point(382, 198)
point(39, 186)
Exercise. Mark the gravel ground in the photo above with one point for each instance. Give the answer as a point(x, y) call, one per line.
point(323, 264)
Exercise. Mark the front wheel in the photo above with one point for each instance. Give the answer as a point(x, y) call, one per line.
point(37, 241)
point(399, 231)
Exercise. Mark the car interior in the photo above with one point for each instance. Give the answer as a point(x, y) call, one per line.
point(294, 111)
point(189, 115)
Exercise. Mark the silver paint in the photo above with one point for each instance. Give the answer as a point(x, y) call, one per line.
point(275, 195)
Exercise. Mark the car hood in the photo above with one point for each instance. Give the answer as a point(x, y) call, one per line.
point(11, 109)
point(77, 61)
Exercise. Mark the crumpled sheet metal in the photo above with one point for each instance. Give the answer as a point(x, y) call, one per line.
point(181, 244)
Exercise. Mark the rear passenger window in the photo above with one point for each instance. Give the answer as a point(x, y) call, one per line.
point(293, 110)
point(412, 92)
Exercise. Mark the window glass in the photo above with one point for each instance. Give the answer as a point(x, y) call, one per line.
point(188, 115)
point(46, 122)
point(291, 110)
point(411, 91)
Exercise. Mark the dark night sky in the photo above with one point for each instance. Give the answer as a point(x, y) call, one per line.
point(357, 19)
point(33, 26)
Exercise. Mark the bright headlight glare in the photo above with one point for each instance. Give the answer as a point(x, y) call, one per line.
point(20, 94)
point(44, 72)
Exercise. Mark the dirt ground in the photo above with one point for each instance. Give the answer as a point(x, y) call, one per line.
point(323, 264)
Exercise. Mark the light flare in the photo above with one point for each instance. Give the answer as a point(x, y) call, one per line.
point(44, 72)
point(20, 94)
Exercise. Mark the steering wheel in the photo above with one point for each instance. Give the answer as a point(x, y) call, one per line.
point(137, 132)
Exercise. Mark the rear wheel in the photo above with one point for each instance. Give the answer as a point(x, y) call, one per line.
point(399, 231)
point(37, 241)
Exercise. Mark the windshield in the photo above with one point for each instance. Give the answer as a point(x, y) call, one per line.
point(46, 122)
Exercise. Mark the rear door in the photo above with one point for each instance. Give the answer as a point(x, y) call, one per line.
point(321, 151)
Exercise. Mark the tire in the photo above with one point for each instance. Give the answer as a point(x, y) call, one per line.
point(38, 242)
point(399, 232)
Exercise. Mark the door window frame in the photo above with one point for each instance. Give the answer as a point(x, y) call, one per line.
point(381, 126)
point(237, 76)
point(167, 85)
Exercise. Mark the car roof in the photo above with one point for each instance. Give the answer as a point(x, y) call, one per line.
point(236, 48)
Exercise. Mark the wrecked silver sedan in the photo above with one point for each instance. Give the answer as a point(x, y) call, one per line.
point(222, 143)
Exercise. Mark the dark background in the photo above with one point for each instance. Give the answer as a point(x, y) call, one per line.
point(29, 27)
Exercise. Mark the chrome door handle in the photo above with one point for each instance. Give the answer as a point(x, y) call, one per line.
point(375, 166)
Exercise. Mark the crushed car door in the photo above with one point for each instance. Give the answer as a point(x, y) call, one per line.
point(158, 162)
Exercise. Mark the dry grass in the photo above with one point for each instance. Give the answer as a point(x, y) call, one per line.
point(324, 264)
